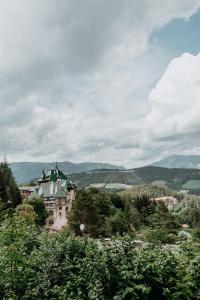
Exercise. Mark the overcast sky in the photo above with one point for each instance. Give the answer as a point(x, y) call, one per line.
point(99, 80)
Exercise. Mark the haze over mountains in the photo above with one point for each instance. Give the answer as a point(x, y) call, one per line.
point(26, 171)
point(176, 172)
point(179, 161)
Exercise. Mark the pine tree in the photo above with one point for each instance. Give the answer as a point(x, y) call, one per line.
point(9, 192)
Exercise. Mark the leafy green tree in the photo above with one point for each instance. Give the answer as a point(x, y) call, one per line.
point(64, 266)
point(26, 211)
point(73, 268)
point(18, 239)
point(196, 233)
point(94, 208)
point(41, 213)
point(117, 224)
point(190, 216)
point(133, 217)
point(91, 208)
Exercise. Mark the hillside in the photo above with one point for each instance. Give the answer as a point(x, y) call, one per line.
point(172, 178)
point(26, 171)
point(179, 161)
point(150, 190)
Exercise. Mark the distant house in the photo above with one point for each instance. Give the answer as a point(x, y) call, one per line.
point(184, 191)
point(185, 226)
point(58, 193)
point(26, 191)
point(169, 201)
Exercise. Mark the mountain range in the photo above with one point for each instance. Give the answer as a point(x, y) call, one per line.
point(26, 171)
point(179, 161)
point(176, 172)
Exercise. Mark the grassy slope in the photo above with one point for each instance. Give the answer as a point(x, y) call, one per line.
point(174, 178)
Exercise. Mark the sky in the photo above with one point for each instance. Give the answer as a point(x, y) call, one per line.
point(102, 81)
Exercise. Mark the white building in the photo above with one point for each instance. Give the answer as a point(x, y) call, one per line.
point(58, 193)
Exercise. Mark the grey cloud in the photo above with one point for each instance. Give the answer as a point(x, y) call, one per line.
point(71, 83)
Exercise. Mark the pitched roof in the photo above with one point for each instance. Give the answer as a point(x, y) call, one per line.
point(61, 192)
point(52, 175)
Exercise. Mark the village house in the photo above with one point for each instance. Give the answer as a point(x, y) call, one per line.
point(168, 200)
point(58, 193)
point(26, 191)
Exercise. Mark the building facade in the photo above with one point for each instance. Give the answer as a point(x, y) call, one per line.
point(58, 194)
point(26, 191)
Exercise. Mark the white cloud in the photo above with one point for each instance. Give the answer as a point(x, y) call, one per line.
point(74, 75)
point(173, 124)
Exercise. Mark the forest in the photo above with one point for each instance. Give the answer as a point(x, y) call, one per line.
point(105, 260)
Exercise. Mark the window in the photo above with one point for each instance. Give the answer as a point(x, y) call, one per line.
point(50, 212)
point(66, 208)
point(51, 222)
point(60, 214)
point(60, 207)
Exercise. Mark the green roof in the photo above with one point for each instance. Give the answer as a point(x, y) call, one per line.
point(53, 175)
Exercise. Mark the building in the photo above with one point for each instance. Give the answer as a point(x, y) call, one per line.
point(58, 193)
point(169, 201)
point(26, 191)
point(185, 226)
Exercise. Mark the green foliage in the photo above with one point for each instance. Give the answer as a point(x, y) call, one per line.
point(95, 209)
point(37, 266)
point(190, 216)
point(145, 206)
point(9, 193)
point(163, 226)
point(117, 224)
point(26, 212)
point(133, 217)
point(172, 178)
point(117, 201)
point(41, 213)
point(148, 191)
point(18, 239)
point(196, 234)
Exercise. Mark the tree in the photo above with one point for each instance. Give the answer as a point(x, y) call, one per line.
point(117, 201)
point(190, 216)
point(41, 213)
point(117, 223)
point(10, 195)
point(164, 226)
point(18, 239)
point(133, 217)
point(95, 210)
point(91, 207)
point(26, 211)
point(145, 207)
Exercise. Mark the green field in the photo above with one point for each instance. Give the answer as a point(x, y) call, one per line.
point(192, 185)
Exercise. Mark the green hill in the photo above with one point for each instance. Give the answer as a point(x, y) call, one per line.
point(172, 178)
point(192, 185)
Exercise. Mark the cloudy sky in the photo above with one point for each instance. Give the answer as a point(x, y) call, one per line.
point(96, 80)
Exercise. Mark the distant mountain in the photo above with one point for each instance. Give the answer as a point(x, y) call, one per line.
point(171, 178)
point(26, 171)
point(179, 161)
